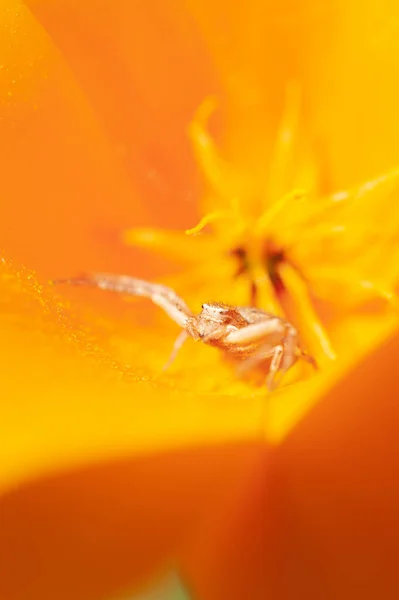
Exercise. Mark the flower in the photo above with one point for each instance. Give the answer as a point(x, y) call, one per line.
point(289, 241)
point(110, 474)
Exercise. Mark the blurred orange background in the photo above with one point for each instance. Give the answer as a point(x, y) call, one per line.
point(95, 101)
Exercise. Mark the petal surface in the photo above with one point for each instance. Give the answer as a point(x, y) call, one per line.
point(84, 396)
point(144, 69)
point(59, 173)
point(322, 506)
point(100, 532)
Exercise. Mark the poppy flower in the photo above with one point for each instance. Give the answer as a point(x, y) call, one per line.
point(112, 472)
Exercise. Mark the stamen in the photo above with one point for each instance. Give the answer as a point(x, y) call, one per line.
point(218, 173)
point(309, 324)
point(266, 220)
point(171, 244)
point(283, 156)
point(210, 218)
point(354, 284)
point(265, 294)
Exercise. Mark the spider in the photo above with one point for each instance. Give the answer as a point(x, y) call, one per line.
point(252, 336)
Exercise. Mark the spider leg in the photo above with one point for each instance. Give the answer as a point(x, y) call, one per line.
point(291, 352)
point(265, 351)
point(162, 296)
point(286, 359)
point(253, 361)
point(274, 368)
point(215, 334)
point(283, 355)
point(290, 344)
point(255, 331)
point(181, 338)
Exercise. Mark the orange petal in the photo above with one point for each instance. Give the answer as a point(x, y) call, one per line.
point(102, 532)
point(259, 49)
point(63, 196)
point(172, 244)
point(68, 403)
point(145, 69)
point(344, 56)
point(57, 391)
point(320, 517)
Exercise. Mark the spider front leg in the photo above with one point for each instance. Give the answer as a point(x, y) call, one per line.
point(161, 295)
point(256, 331)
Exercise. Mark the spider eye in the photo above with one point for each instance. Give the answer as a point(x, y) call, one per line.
point(214, 309)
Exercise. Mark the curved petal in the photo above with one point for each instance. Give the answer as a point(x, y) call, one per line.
point(314, 484)
point(355, 95)
point(113, 495)
point(320, 517)
point(344, 56)
point(342, 499)
point(103, 531)
point(78, 391)
point(62, 193)
point(145, 69)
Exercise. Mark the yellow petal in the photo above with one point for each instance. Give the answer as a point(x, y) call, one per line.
point(348, 241)
point(355, 95)
point(68, 399)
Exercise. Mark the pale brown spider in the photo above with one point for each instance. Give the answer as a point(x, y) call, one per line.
point(248, 334)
